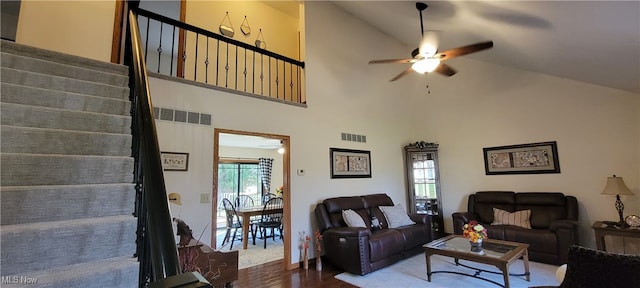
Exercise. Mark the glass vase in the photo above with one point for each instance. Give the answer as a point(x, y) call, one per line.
point(476, 247)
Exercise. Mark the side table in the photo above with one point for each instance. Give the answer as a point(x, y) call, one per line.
point(602, 230)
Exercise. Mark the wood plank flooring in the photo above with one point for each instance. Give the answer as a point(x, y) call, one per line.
point(272, 275)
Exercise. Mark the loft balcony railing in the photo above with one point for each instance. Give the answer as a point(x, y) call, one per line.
point(181, 50)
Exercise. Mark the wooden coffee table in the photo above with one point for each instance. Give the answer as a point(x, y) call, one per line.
point(495, 252)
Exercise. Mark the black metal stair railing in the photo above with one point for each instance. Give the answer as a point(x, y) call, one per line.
point(156, 246)
point(181, 50)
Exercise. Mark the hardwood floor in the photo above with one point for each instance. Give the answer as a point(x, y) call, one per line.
point(272, 275)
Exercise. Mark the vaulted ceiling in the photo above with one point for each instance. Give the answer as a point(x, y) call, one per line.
point(596, 42)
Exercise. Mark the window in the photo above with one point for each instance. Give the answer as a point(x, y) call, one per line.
point(236, 178)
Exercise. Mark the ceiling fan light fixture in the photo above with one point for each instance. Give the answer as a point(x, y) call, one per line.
point(426, 65)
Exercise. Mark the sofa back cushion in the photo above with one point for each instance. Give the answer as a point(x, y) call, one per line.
point(335, 206)
point(483, 202)
point(545, 207)
point(373, 203)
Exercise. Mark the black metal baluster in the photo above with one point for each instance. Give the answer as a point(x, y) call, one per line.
point(195, 60)
point(269, 76)
point(160, 47)
point(236, 69)
point(146, 42)
point(226, 68)
point(291, 80)
point(173, 44)
point(261, 74)
point(277, 81)
point(244, 72)
point(184, 54)
point(217, 61)
point(206, 64)
point(253, 77)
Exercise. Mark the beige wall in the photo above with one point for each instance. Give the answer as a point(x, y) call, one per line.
point(83, 28)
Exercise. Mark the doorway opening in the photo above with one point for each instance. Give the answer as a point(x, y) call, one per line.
point(237, 175)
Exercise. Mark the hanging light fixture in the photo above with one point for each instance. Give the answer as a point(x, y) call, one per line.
point(281, 149)
point(425, 65)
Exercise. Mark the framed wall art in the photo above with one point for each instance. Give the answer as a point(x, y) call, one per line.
point(533, 158)
point(347, 163)
point(174, 161)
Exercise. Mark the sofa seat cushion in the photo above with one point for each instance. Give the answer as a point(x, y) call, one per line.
point(384, 243)
point(539, 240)
point(414, 235)
point(495, 231)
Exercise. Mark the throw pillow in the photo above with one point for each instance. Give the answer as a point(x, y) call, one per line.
point(519, 218)
point(353, 219)
point(396, 216)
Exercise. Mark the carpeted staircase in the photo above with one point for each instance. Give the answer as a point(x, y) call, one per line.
point(66, 173)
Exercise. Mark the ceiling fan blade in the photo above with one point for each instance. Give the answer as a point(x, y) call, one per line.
point(464, 50)
point(384, 61)
point(429, 43)
point(402, 74)
point(445, 70)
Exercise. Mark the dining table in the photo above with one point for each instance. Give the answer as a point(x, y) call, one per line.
point(246, 213)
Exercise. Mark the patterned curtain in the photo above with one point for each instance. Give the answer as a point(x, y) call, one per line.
point(264, 167)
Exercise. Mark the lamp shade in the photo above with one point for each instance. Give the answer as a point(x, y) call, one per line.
point(616, 186)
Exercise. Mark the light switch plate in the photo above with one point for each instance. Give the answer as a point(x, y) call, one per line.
point(204, 198)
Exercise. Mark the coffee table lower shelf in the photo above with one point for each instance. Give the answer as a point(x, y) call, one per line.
point(498, 253)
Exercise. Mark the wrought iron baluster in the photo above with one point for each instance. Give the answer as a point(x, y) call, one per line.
point(261, 74)
point(184, 54)
point(226, 68)
point(206, 64)
point(160, 47)
point(217, 61)
point(236, 70)
point(244, 72)
point(269, 76)
point(253, 77)
point(291, 81)
point(173, 44)
point(195, 60)
point(277, 81)
point(146, 42)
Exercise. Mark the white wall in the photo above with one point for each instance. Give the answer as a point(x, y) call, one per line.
point(484, 105)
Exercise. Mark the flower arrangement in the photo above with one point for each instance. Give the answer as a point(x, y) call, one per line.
point(318, 239)
point(474, 231)
point(280, 190)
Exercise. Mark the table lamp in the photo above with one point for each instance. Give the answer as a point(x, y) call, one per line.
point(616, 186)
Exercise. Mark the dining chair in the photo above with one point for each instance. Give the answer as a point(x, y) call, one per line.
point(268, 196)
point(244, 201)
point(233, 222)
point(270, 219)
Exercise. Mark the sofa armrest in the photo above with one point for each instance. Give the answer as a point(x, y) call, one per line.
point(563, 224)
point(348, 248)
point(421, 218)
point(461, 218)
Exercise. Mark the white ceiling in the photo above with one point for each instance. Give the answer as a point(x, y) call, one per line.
point(596, 42)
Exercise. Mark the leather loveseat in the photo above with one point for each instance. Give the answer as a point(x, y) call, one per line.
point(553, 221)
point(360, 250)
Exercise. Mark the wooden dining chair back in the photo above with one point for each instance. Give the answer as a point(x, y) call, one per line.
point(244, 201)
point(270, 219)
point(233, 222)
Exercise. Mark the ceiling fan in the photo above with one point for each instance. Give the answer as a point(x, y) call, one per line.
point(426, 58)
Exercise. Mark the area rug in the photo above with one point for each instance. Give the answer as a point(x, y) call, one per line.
point(256, 254)
point(412, 272)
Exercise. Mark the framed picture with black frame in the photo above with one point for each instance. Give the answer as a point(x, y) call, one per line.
point(174, 161)
point(347, 163)
point(532, 158)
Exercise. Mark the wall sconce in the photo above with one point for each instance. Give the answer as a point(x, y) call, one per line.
point(175, 198)
point(616, 186)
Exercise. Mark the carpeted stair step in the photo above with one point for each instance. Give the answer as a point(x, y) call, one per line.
point(43, 117)
point(39, 80)
point(29, 51)
point(62, 70)
point(29, 204)
point(16, 139)
point(25, 95)
point(43, 245)
point(111, 272)
point(48, 169)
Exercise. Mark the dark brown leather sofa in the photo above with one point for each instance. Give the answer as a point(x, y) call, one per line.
point(361, 250)
point(554, 221)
